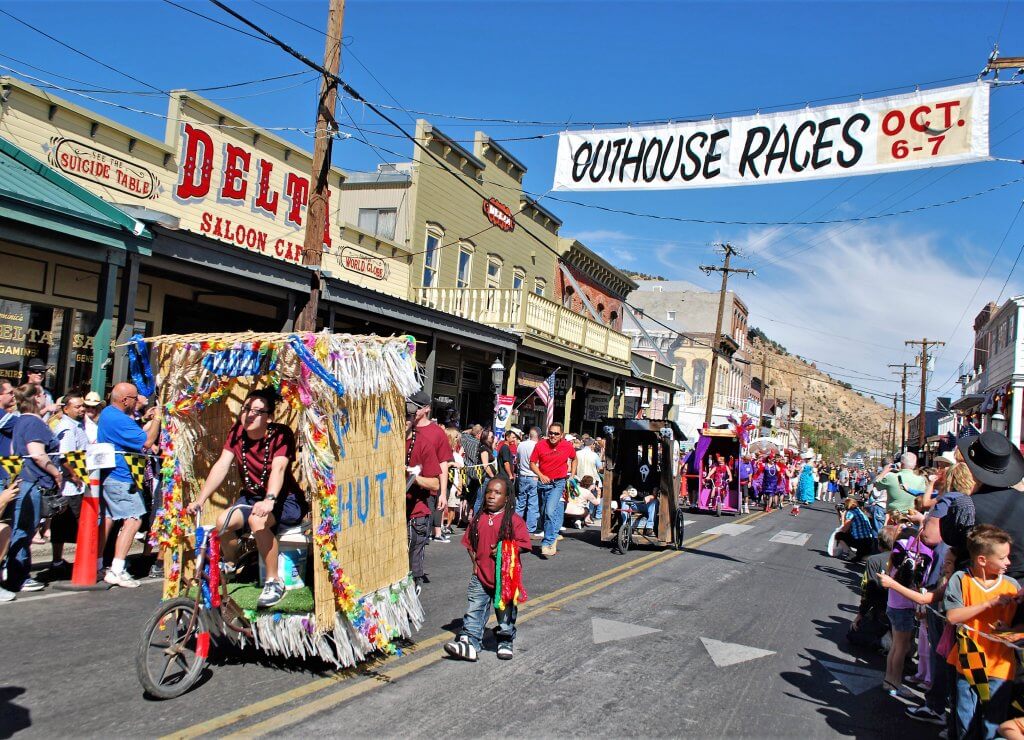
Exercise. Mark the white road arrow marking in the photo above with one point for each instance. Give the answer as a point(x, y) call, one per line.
point(730, 529)
point(608, 630)
point(791, 538)
point(729, 653)
point(855, 678)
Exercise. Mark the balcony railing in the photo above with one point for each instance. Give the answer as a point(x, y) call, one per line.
point(528, 313)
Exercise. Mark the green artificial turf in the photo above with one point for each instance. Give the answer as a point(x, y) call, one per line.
point(299, 601)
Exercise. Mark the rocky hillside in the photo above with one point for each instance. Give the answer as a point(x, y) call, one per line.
point(837, 419)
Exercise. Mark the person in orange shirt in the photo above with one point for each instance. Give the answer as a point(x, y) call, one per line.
point(982, 600)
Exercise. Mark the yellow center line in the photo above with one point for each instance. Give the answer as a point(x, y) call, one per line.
point(535, 607)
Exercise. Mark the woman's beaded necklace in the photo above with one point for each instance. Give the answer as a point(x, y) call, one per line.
point(247, 474)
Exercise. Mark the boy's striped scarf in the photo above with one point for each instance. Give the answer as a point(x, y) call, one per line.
point(508, 587)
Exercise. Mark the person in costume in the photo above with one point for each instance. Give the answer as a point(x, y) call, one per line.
point(770, 473)
point(719, 478)
point(494, 539)
point(804, 484)
point(264, 453)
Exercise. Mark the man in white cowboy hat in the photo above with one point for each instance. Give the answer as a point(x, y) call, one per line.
point(93, 407)
point(998, 498)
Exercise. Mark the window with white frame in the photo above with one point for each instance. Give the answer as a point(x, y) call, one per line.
point(378, 221)
point(670, 315)
point(518, 279)
point(465, 272)
point(540, 287)
point(494, 271)
point(430, 257)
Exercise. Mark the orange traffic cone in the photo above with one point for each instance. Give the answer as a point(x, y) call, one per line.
point(83, 576)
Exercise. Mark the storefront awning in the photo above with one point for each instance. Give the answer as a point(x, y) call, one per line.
point(968, 402)
point(60, 214)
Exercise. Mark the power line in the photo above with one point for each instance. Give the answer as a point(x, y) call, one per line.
point(79, 51)
point(219, 23)
point(94, 88)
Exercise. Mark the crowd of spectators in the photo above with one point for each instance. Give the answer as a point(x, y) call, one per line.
point(41, 497)
point(943, 554)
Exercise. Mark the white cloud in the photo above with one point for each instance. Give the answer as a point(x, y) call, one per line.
point(856, 296)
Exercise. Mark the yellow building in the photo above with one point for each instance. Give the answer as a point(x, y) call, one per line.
point(225, 202)
point(484, 250)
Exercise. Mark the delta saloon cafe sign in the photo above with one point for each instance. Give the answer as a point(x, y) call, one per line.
point(219, 175)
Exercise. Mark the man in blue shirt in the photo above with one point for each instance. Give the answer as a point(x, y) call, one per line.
point(744, 471)
point(122, 499)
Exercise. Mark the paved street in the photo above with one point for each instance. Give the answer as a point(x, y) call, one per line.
point(739, 635)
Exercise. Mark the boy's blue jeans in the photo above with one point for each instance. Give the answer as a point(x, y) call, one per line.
point(478, 609)
point(975, 719)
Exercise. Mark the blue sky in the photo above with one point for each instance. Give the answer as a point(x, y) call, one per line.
point(846, 294)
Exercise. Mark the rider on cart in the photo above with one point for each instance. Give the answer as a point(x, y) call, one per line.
point(264, 453)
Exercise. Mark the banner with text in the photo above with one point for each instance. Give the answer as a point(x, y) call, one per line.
point(502, 412)
point(922, 129)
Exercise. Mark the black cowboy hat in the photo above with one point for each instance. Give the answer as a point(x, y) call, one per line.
point(992, 459)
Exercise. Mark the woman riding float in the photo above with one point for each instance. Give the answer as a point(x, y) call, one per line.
point(264, 453)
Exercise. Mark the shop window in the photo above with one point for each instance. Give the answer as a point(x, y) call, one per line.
point(430, 255)
point(29, 330)
point(462, 279)
point(700, 368)
point(378, 221)
point(518, 280)
point(493, 272)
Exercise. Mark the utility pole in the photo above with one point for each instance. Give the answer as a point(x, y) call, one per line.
point(764, 385)
point(789, 418)
point(925, 344)
point(726, 270)
point(892, 445)
point(904, 367)
point(316, 211)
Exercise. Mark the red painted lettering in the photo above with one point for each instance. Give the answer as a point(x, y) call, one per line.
point(266, 200)
point(296, 188)
point(196, 157)
point(236, 167)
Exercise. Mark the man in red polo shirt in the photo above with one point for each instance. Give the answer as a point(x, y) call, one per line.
point(426, 449)
point(550, 461)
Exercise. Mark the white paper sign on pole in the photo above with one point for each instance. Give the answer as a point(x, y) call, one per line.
point(930, 128)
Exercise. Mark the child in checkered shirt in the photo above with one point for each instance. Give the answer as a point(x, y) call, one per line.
point(982, 600)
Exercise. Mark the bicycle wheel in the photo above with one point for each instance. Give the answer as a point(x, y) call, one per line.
point(626, 535)
point(172, 649)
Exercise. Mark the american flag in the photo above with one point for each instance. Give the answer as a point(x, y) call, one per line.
point(967, 429)
point(546, 393)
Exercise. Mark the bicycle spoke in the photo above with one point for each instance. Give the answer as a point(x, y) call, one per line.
point(163, 672)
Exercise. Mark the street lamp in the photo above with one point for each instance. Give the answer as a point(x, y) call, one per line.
point(497, 378)
point(497, 375)
point(998, 423)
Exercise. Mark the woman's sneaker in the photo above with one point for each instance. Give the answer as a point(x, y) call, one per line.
point(924, 713)
point(121, 579)
point(461, 649)
point(273, 592)
point(6, 595)
point(31, 584)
